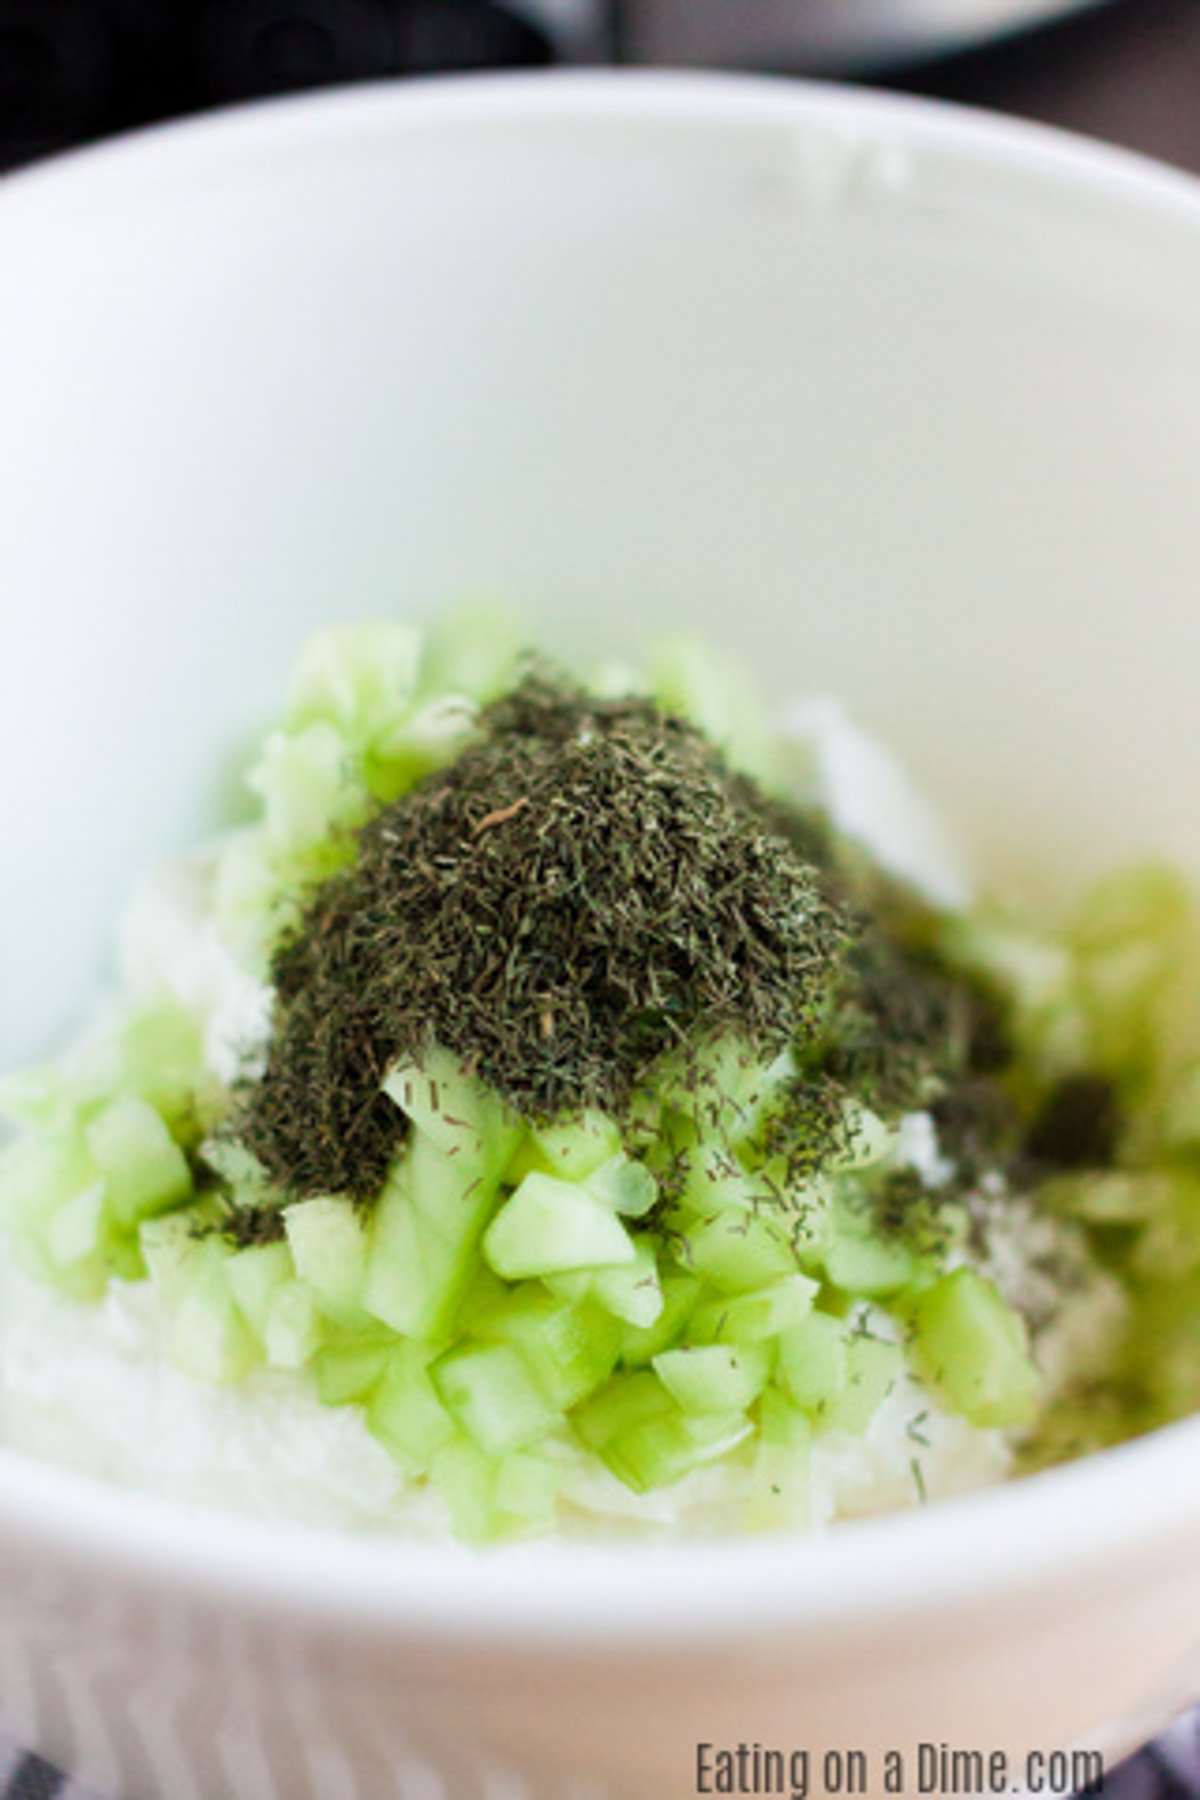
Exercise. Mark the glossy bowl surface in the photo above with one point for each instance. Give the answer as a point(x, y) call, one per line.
point(898, 402)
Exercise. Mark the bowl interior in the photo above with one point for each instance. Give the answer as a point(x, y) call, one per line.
point(891, 401)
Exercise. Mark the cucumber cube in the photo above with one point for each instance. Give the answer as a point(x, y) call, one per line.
point(145, 1172)
point(755, 1317)
point(162, 1061)
point(633, 1292)
point(782, 1468)
point(456, 1111)
point(576, 1147)
point(713, 1378)
point(491, 1392)
point(255, 1275)
point(405, 1413)
point(569, 1349)
point(639, 1344)
point(717, 1184)
point(172, 1247)
point(309, 789)
point(75, 1230)
point(690, 677)
point(869, 1264)
point(329, 1248)
point(639, 1430)
point(972, 1349)
point(209, 1338)
point(423, 1250)
point(550, 1225)
point(739, 1252)
point(349, 1372)
point(525, 1496)
point(812, 1361)
point(293, 1333)
point(625, 1185)
point(473, 649)
point(873, 1368)
point(495, 1498)
point(360, 678)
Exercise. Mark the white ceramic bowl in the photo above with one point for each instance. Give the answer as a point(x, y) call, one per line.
point(897, 401)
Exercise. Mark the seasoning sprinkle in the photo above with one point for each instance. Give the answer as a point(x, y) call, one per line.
point(585, 888)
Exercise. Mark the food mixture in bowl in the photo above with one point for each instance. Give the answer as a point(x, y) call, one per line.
point(579, 1102)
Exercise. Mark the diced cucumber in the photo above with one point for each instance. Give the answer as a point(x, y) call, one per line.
point(1179, 1122)
point(162, 1061)
point(493, 1499)
point(256, 1274)
point(473, 649)
point(713, 1378)
point(861, 1261)
point(249, 905)
point(812, 1361)
point(627, 1401)
point(404, 1411)
point(491, 1392)
point(639, 1430)
point(293, 1333)
point(209, 1338)
point(625, 1185)
point(525, 1496)
point(526, 1159)
point(757, 1316)
point(423, 1250)
point(550, 1225)
point(868, 1140)
point(1109, 1197)
point(691, 678)
point(1119, 990)
point(431, 736)
point(172, 1247)
point(360, 678)
point(809, 1211)
point(570, 1349)
point(465, 1477)
point(329, 1248)
point(632, 1292)
point(456, 1111)
point(74, 1231)
point(873, 1367)
point(576, 1147)
point(722, 1087)
point(639, 1345)
point(144, 1170)
point(1150, 900)
point(741, 1251)
point(38, 1174)
point(309, 789)
point(716, 1183)
point(782, 1468)
point(1168, 1248)
point(972, 1349)
point(350, 1371)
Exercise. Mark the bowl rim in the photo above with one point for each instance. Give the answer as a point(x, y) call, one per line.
point(1009, 1539)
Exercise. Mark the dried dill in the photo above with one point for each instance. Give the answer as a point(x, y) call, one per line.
point(1078, 1125)
point(806, 1127)
point(586, 887)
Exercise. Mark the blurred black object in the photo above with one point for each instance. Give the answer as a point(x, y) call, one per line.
point(72, 70)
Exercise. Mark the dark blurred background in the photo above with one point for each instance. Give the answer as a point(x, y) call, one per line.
point(75, 70)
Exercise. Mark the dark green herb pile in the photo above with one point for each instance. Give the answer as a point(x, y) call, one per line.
point(587, 886)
